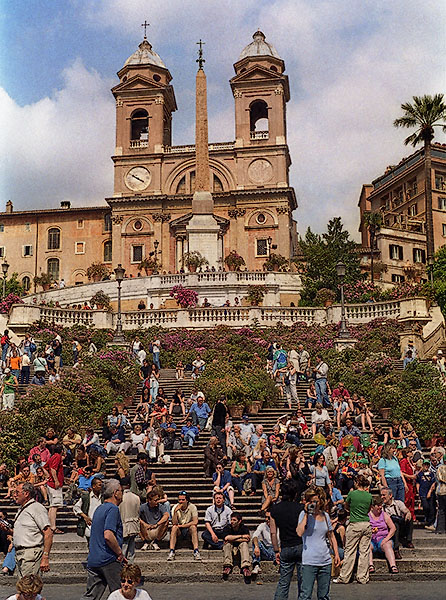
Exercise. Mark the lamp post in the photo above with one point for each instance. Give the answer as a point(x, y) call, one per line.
point(269, 241)
point(5, 268)
point(340, 271)
point(118, 337)
point(430, 263)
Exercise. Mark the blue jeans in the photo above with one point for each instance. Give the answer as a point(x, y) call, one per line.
point(156, 360)
point(9, 561)
point(266, 553)
point(321, 392)
point(189, 437)
point(5, 349)
point(397, 486)
point(289, 558)
point(310, 574)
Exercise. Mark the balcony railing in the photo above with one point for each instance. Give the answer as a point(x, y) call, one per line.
point(139, 143)
point(259, 135)
point(191, 147)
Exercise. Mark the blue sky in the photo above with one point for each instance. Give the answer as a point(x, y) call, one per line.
point(351, 64)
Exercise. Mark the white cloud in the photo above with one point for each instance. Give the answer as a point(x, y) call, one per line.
point(59, 148)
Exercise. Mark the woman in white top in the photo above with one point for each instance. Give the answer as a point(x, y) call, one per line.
point(138, 439)
point(28, 588)
point(318, 416)
point(130, 578)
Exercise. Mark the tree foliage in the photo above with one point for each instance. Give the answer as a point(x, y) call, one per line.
point(321, 254)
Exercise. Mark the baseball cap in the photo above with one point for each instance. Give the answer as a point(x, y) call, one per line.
point(7, 370)
point(426, 462)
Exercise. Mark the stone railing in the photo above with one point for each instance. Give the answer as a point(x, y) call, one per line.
point(376, 310)
point(259, 135)
point(67, 316)
point(191, 147)
point(139, 143)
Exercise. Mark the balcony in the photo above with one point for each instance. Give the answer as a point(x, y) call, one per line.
point(139, 143)
point(259, 135)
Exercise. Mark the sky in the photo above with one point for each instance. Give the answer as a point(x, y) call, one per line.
point(351, 64)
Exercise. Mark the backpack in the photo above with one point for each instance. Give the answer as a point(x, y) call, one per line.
point(329, 461)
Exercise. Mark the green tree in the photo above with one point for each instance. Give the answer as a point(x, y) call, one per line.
point(321, 254)
point(373, 222)
point(425, 113)
point(13, 285)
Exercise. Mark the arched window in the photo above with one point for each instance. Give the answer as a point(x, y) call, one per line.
point(53, 268)
point(140, 125)
point(217, 184)
point(108, 251)
point(54, 238)
point(26, 283)
point(258, 118)
point(107, 222)
point(181, 187)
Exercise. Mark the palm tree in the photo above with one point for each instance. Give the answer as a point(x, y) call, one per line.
point(425, 113)
point(373, 222)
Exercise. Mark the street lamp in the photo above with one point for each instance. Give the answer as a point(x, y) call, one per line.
point(340, 271)
point(5, 268)
point(118, 337)
point(431, 262)
point(269, 241)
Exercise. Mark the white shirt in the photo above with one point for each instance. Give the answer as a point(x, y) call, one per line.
point(263, 534)
point(142, 355)
point(140, 595)
point(156, 346)
point(94, 503)
point(320, 418)
point(25, 360)
point(31, 520)
point(137, 438)
point(16, 596)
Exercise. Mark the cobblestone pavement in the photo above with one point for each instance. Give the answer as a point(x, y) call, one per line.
point(402, 590)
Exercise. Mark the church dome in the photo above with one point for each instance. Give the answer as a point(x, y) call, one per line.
point(145, 56)
point(259, 47)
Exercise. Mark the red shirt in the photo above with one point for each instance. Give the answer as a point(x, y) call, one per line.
point(55, 463)
point(44, 454)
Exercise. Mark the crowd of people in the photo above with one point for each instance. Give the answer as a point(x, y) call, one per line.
point(349, 500)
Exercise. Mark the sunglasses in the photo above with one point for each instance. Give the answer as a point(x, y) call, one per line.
point(129, 581)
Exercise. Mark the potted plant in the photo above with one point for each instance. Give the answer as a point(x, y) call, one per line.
point(234, 261)
point(275, 262)
point(194, 260)
point(325, 297)
point(97, 271)
point(185, 297)
point(149, 265)
point(44, 280)
point(255, 294)
point(101, 299)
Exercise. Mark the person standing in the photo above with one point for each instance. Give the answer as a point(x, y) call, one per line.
point(219, 421)
point(86, 506)
point(105, 557)
point(32, 535)
point(129, 509)
point(284, 520)
point(55, 483)
point(390, 472)
point(8, 389)
point(25, 370)
point(359, 532)
point(320, 374)
point(156, 347)
point(316, 531)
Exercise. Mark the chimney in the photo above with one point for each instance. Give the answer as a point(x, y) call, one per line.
point(9, 207)
point(66, 204)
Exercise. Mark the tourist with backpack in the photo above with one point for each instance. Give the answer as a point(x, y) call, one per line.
point(86, 506)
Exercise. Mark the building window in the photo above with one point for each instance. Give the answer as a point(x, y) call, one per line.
point(140, 125)
point(419, 256)
point(440, 181)
point(108, 251)
point(397, 278)
point(107, 222)
point(217, 184)
point(27, 250)
point(137, 225)
point(26, 283)
point(412, 210)
point(2, 252)
point(261, 219)
point(54, 238)
point(27, 226)
point(441, 204)
point(2, 227)
point(53, 268)
point(444, 229)
point(137, 252)
point(181, 187)
point(395, 252)
point(262, 247)
point(79, 247)
point(80, 223)
point(258, 120)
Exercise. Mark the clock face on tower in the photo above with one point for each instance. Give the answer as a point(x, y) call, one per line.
point(138, 179)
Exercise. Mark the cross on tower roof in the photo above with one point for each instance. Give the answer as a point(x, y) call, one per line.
point(200, 60)
point(145, 25)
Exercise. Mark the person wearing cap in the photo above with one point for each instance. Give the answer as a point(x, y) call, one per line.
point(425, 484)
point(199, 411)
point(216, 518)
point(184, 525)
point(8, 390)
point(189, 432)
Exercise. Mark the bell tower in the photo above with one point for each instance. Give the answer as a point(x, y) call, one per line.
point(261, 91)
point(145, 101)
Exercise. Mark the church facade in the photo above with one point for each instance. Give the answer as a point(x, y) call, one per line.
point(154, 181)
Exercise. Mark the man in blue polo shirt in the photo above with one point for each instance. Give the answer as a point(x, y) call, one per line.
point(105, 558)
point(200, 411)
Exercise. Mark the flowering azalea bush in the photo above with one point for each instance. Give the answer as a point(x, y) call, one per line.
point(185, 297)
point(8, 301)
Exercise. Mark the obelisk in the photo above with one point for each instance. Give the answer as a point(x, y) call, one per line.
point(203, 229)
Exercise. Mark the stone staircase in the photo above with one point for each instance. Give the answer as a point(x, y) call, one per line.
point(185, 472)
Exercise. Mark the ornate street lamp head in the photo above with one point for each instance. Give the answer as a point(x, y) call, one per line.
point(5, 268)
point(340, 269)
point(119, 273)
point(156, 244)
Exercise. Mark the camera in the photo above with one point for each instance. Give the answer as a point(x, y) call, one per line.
point(311, 508)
